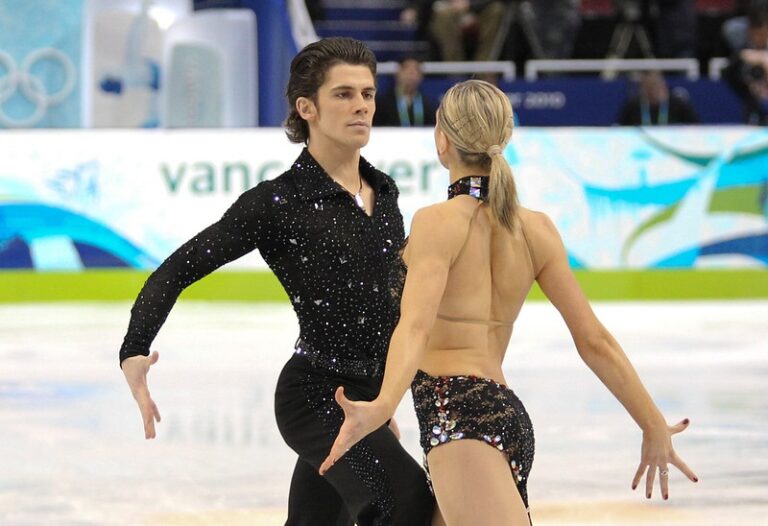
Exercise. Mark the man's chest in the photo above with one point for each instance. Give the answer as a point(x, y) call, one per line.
point(331, 232)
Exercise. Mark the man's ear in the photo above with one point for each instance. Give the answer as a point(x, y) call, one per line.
point(306, 108)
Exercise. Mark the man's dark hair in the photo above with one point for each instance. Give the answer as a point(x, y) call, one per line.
point(308, 69)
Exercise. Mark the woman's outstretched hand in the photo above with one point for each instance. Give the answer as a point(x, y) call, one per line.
point(135, 370)
point(657, 455)
point(360, 419)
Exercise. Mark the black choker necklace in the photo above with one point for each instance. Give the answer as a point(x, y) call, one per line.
point(474, 185)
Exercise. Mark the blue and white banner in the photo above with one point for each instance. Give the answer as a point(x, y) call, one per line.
point(650, 198)
point(622, 198)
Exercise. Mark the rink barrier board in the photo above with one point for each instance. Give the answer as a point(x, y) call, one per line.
point(264, 286)
point(622, 198)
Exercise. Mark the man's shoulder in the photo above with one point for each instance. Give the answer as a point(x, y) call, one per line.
point(382, 179)
point(266, 190)
point(385, 177)
point(279, 182)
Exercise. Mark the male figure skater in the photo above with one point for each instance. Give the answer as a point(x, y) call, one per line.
point(331, 231)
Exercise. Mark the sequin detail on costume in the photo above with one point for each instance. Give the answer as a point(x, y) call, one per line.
point(362, 367)
point(361, 458)
point(473, 185)
point(340, 268)
point(468, 407)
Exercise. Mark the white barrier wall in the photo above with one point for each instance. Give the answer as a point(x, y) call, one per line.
point(622, 198)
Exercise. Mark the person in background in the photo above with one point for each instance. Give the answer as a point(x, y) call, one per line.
point(676, 29)
point(405, 105)
point(449, 22)
point(557, 23)
point(747, 72)
point(735, 30)
point(655, 105)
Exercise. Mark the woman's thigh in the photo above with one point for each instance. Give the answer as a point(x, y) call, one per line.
point(474, 485)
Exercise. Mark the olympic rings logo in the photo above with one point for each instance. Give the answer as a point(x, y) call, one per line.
point(21, 79)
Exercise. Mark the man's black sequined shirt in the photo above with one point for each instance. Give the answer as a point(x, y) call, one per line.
point(340, 268)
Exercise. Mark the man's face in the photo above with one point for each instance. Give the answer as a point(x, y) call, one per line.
point(344, 109)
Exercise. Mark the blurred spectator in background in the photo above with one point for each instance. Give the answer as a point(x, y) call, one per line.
point(489, 77)
point(556, 24)
point(654, 105)
point(676, 29)
point(671, 24)
point(747, 73)
point(735, 30)
point(454, 24)
point(405, 105)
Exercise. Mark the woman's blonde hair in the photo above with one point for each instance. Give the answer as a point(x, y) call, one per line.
point(477, 118)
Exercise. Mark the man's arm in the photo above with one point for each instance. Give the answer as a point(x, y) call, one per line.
point(234, 235)
point(237, 233)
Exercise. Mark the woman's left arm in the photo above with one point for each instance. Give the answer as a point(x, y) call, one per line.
point(603, 354)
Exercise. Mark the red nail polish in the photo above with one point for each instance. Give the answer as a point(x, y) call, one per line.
point(666, 497)
point(634, 486)
point(695, 479)
point(648, 496)
point(686, 421)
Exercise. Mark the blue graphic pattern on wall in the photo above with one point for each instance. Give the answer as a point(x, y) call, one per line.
point(627, 198)
point(50, 238)
point(648, 201)
point(729, 184)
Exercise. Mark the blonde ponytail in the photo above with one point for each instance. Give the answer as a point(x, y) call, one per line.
point(502, 192)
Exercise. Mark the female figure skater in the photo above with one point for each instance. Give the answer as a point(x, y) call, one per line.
point(330, 229)
point(471, 262)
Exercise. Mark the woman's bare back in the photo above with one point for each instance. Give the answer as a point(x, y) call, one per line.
point(488, 281)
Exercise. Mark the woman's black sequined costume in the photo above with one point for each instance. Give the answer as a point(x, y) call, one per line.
point(343, 274)
point(467, 407)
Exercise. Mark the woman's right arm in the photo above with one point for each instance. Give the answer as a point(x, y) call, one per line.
point(435, 240)
point(603, 354)
point(238, 232)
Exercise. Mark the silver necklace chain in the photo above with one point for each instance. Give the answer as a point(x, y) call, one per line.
point(358, 197)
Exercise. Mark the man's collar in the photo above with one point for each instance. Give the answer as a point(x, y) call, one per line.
point(313, 182)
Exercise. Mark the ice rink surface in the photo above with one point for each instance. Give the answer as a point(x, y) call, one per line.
point(72, 450)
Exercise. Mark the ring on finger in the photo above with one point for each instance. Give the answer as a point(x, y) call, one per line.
point(663, 472)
